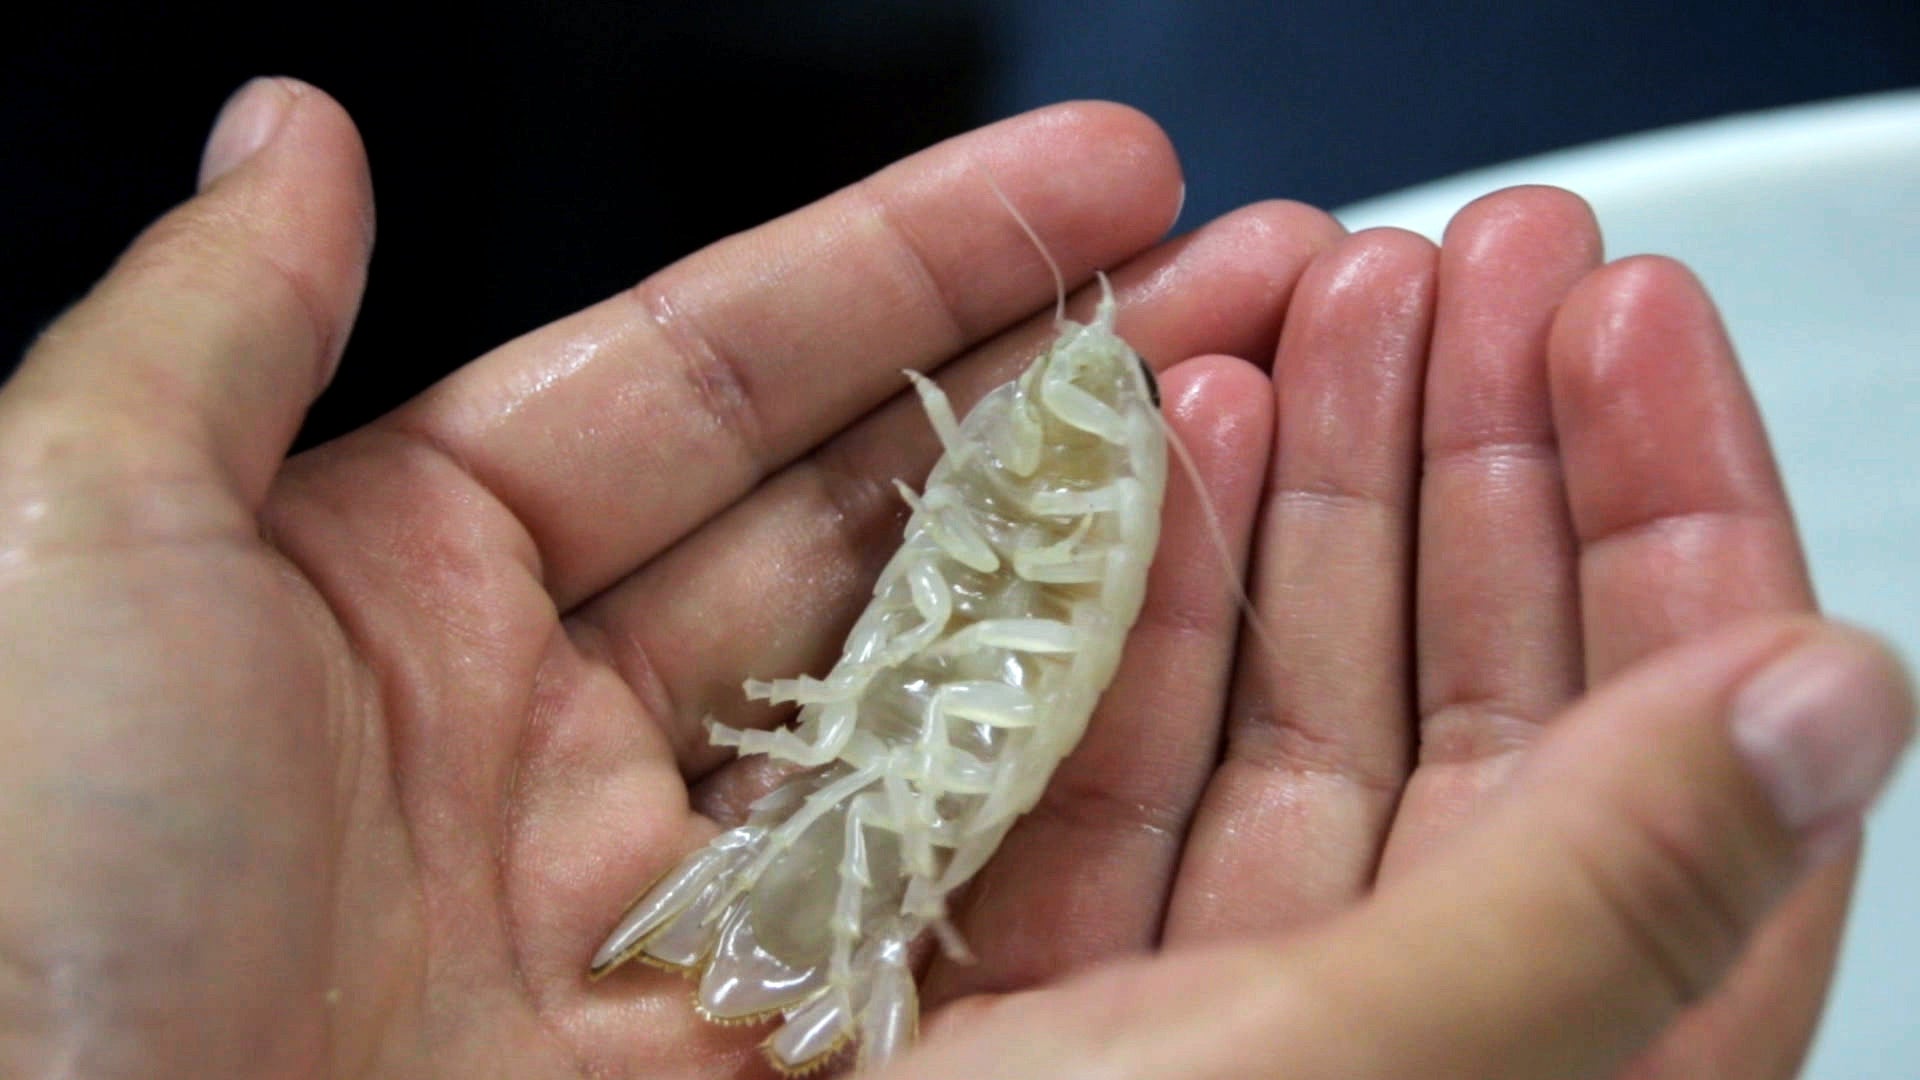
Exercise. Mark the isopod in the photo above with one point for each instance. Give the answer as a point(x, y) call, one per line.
point(972, 672)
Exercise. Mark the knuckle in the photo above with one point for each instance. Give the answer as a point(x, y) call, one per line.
point(718, 381)
point(210, 257)
point(1093, 805)
point(918, 268)
point(1280, 737)
point(1667, 891)
point(1475, 728)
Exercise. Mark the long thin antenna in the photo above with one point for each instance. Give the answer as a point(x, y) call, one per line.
point(1059, 279)
point(1217, 533)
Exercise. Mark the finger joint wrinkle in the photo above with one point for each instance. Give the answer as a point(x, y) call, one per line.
point(919, 268)
point(720, 380)
point(1672, 526)
point(1266, 739)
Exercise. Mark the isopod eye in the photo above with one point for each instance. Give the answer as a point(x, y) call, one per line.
point(1153, 384)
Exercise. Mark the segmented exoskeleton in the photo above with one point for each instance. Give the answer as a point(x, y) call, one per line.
point(973, 671)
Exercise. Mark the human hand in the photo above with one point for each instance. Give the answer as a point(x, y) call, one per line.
point(1525, 568)
point(343, 765)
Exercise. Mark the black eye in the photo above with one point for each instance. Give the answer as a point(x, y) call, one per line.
point(1153, 384)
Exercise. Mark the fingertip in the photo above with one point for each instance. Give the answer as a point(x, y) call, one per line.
point(1220, 407)
point(1232, 279)
point(274, 117)
point(1822, 726)
point(1097, 184)
point(1643, 275)
point(1625, 329)
point(1281, 235)
point(324, 151)
point(1554, 216)
point(1393, 242)
point(1632, 281)
point(1126, 144)
point(1294, 228)
point(248, 120)
point(1211, 380)
point(1363, 295)
point(1620, 311)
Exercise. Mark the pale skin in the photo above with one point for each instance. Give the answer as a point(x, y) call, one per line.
point(341, 766)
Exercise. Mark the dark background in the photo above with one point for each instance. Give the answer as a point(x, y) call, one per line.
point(530, 159)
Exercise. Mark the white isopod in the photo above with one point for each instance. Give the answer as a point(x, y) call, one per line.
point(970, 675)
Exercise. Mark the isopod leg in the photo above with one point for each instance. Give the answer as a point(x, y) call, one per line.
point(940, 415)
point(890, 1019)
point(854, 880)
point(831, 732)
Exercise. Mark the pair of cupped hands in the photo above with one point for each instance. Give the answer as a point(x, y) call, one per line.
point(343, 765)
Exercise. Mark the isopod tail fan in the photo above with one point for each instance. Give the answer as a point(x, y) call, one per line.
point(768, 935)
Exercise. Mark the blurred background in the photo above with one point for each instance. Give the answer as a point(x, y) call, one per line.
point(532, 158)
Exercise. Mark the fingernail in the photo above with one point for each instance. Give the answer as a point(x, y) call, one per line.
point(245, 124)
point(1822, 727)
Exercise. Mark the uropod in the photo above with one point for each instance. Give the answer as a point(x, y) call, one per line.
point(972, 672)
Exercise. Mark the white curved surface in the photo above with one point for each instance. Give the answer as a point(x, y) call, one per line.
point(1805, 225)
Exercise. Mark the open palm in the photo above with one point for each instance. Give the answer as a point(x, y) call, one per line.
point(354, 759)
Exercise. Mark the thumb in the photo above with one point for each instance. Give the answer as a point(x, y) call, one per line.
point(1611, 887)
point(196, 357)
point(1640, 848)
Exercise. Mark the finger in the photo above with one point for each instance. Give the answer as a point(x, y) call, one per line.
point(1683, 525)
point(1656, 824)
point(770, 587)
point(1319, 726)
point(612, 433)
point(196, 357)
point(1497, 618)
point(1681, 518)
point(1084, 876)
